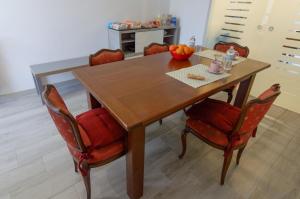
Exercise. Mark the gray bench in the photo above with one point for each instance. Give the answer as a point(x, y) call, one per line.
point(43, 70)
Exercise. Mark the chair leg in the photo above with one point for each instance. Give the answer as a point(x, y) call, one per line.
point(254, 132)
point(75, 166)
point(92, 102)
point(160, 121)
point(238, 157)
point(87, 183)
point(230, 96)
point(183, 140)
point(226, 163)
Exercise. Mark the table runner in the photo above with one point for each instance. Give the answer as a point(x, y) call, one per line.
point(199, 69)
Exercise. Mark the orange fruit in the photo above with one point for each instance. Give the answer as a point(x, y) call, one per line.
point(187, 50)
point(173, 47)
point(180, 50)
point(182, 45)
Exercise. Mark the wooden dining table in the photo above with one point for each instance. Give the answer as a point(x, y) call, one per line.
point(138, 92)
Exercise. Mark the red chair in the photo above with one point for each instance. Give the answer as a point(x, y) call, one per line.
point(103, 56)
point(243, 52)
point(226, 127)
point(224, 46)
point(94, 138)
point(155, 48)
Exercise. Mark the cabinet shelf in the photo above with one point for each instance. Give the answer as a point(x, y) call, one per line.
point(169, 36)
point(128, 41)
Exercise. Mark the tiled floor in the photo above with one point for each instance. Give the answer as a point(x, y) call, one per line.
point(35, 164)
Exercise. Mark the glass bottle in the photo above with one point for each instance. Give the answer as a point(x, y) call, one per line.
point(227, 62)
point(231, 53)
point(192, 42)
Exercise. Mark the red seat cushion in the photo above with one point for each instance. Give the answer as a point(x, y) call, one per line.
point(101, 128)
point(104, 153)
point(218, 114)
point(213, 135)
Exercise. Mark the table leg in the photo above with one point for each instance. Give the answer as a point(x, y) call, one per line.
point(92, 102)
point(38, 86)
point(244, 92)
point(135, 162)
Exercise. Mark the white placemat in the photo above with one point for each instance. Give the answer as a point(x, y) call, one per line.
point(210, 54)
point(199, 69)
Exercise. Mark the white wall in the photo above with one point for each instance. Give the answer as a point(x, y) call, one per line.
point(153, 8)
point(38, 31)
point(193, 15)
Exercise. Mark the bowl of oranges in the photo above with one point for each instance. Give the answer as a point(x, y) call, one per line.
point(181, 52)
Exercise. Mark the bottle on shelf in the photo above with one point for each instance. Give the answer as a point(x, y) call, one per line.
point(174, 21)
point(192, 42)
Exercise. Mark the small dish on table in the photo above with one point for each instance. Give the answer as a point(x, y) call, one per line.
point(216, 66)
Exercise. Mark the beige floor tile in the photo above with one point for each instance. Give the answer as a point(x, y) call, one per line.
point(12, 180)
point(6, 196)
point(52, 186)
point(59, 160)
point(69, 193)
point(38, 150)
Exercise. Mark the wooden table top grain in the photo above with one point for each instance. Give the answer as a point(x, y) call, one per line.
point(138, 91)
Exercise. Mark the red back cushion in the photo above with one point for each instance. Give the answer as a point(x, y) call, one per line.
point(62, 122)
point(223, 47)
point(257, 111)
point(106, 56)
point(155, 49)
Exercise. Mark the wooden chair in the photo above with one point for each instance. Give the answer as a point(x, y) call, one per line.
point(226, 127)
point(155, 48)
point(103, 56)
point(243, 52)
point(94, 138)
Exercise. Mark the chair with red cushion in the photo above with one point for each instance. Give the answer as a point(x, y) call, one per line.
point(226, 127)
point(224, 46)
point(243, 52)
point(94, 138)
point(103, 56)
point(155, 48)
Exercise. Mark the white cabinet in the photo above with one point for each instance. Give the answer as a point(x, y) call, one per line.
point(133, 42)
point(143, 39)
